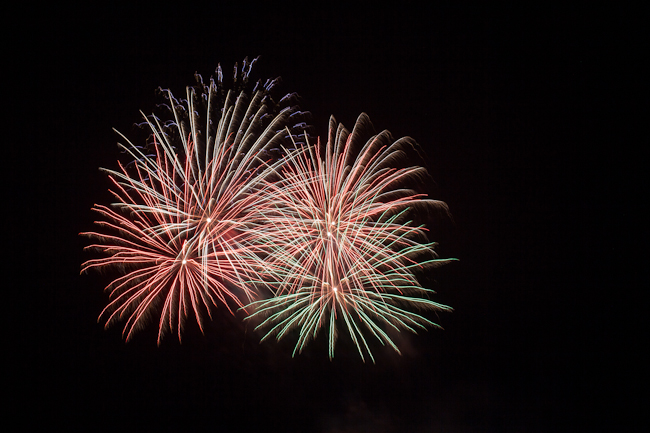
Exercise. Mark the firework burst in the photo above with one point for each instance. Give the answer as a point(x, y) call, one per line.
point(178, 229)
point(338, 246)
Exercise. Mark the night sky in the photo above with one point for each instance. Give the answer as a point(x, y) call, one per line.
point(497, 99)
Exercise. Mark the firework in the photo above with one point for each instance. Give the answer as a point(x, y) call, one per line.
point(178, 229)
point(338, 246)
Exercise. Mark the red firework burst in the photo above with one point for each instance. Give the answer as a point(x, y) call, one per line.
point(178, 229)
point(338, 246)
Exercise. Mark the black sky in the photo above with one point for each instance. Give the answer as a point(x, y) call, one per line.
point(498, 98)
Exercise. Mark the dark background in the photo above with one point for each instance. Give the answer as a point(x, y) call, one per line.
point(504, 102)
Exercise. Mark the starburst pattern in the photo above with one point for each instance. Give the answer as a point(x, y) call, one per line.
point(337, 244)
point(178, 229)
point(224, 203)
